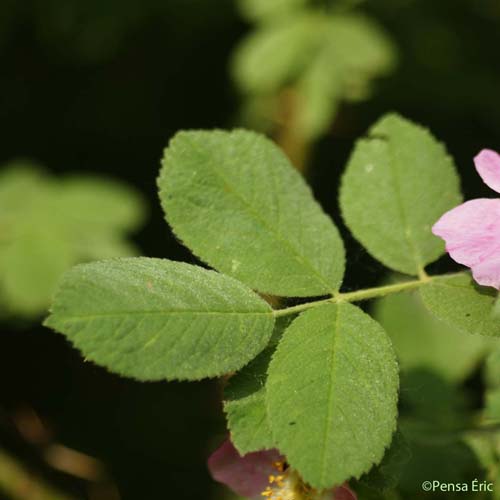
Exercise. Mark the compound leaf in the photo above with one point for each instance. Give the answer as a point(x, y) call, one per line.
point(332, 394)
point(398, 182)
point(235, 200)
point(155, 319)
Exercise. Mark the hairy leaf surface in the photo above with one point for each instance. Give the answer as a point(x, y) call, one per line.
point(155, 319)
point(398, 182)
point(244, 400)
point(332, 394)
point(234, 199)
point(459, 301)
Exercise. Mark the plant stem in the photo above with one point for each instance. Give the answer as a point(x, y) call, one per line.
point(359, 295)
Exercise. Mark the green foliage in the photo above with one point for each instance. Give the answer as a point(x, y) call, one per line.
point(433, 416)
point(460, 302)
point(245, 406)
point(324, 58)
point(155, 319)
point(257, 10)
point(322, 389)
point(245, 400)
point(50, 224)
point(492, 381)
point(398, 182)
point(332, 393)
point(386, 475)
point(286, 46)
point(423, 341)
point(239, 205)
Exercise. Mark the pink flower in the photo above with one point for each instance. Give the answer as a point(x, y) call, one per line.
point(261, 475)
point(472, 230)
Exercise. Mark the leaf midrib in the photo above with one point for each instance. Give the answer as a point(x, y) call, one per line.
point(156, 313)
point(401, 208)
point(277, 235)
point(331, 362)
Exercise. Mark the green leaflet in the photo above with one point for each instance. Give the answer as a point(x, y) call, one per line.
point(100, 204)
point(30, 267)
point(422, 341)
point(460, 302)
point(398, 182)
point(320, 91)
point(245, 406)
point(155, 319)
point(332, 394)
point(323, 58)
point(354, 51)
point(286, 46)
point(244, 400)
point(234, 199)
point(49, 224)
point(359, 50)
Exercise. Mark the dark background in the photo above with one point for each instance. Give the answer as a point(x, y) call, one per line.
point(99, 86)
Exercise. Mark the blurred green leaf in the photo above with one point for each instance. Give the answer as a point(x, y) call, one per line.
point(385, 476)
point(359, 50)
point(422, 341)
point(433, 417)
point(30, 267)
point(154, 319)
point(276, 54)
point(49, 224)
point(319, 93)
point(324, 58)
point(448, 462)
point(266, 10)
point(235, 200)
point(430, 403)
point(398, 182)
point(99, 204)
point(460, 302)
point(332, 394)
point(492, 369)
point(492, 381)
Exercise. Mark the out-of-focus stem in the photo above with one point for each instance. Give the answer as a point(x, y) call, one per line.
point(20, 484)
point(289, 136)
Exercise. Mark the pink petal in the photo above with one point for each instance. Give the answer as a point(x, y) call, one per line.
point(488, 272)
point(344, 493)
point(247, 476)
point(488, 166)
point(472, 235)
